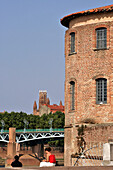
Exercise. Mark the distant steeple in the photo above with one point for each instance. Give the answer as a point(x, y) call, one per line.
point(48, 101)
point(34, 106)
point(60, 103)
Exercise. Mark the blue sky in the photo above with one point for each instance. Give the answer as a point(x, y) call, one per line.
point(32, 49)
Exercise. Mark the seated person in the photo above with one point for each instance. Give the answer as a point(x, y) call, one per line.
point(16, 162)
point(50, 161)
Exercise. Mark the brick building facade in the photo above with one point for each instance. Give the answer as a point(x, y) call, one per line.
point(88, 72)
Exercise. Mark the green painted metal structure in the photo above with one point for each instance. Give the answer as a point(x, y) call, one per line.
point(35, 130)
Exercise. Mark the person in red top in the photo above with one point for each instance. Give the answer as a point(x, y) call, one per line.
point(50, 161)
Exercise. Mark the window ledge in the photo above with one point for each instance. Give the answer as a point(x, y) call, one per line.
point(97, 49)
point(102, 104)
point(71, 111)
point(72, 53)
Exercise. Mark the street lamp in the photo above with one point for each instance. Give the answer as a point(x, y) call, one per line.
point(50, 123)
point(26, 123)
point(3, 124)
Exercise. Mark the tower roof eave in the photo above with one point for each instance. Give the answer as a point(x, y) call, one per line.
point(65, 20)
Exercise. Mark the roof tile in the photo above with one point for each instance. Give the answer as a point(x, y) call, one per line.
point(65, 20)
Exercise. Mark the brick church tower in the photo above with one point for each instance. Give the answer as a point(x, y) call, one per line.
point(88, 71)
point(42, 97)
point(43, 100)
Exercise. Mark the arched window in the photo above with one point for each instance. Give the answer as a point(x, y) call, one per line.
point(101, 91)
point(101, 38)
point(72, 46)
point(72, 95)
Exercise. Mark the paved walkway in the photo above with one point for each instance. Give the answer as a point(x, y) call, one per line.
point(63, 168)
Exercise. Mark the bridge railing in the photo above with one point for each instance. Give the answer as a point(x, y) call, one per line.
point(36, 130)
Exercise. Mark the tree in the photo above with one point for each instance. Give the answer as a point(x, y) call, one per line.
point(15, 119)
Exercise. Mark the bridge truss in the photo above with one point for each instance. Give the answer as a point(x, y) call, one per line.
point(24, 137)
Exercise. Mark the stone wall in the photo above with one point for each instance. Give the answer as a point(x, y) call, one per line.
point(94, 137)
point(66, 168)
point(99, 133)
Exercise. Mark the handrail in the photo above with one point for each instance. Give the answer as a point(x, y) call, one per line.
point(36, 130)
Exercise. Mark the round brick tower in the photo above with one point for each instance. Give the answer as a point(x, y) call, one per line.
point(88, 71)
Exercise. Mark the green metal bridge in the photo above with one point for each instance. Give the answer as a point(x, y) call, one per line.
point(24, 135)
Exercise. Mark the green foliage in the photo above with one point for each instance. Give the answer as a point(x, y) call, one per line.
point(56, 143)
point(15, 119)
point(58, 120)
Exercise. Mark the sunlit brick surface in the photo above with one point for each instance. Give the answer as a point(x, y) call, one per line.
point(83, 67)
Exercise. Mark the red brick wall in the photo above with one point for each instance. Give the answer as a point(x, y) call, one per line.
point(98, 133)
point(84, 67)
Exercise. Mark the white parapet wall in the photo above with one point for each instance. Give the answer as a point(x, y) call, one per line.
point(107, 151)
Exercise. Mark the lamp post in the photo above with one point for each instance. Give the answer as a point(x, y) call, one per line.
point(25, 125)
point(50, 123)
point(3, 124)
